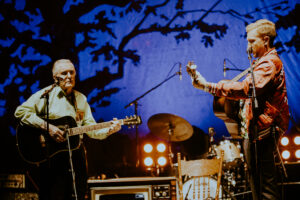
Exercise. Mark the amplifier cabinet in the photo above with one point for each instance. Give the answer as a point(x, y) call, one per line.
point(289, 186)
point(12, 181)
point(133, 188)
point(18, 196)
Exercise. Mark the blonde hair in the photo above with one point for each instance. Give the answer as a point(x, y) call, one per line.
point(263, 27)
point(60, 62)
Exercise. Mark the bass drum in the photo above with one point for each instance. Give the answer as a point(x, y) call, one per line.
point(200, 188)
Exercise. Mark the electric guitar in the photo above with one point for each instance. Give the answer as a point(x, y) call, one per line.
point(35, 146)
point(225, 108)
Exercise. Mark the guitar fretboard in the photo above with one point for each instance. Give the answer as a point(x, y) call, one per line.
point(84, 129)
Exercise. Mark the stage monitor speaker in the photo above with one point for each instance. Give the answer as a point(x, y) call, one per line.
point(18, 196)
point(290, 186)
point(16, 187)
point(133, 188)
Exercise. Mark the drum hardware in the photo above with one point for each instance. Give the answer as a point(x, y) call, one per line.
point(234, 184)
point(212, 153)
point(232, 153)
point(171, 128)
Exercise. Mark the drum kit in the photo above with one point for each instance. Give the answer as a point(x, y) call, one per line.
point(173, 128)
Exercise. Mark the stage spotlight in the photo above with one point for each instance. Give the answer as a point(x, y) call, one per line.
point(148, 161)
point(297, 140)
point(148, 148)
point(297, 154)
point(286, 154)
point(162, 161)
point(161, 147)
point(284, 141)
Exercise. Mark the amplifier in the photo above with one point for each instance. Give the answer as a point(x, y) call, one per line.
point(133, 188)
point(13, 187)
point(19, 196)
point(290, 186)
point(12, 181)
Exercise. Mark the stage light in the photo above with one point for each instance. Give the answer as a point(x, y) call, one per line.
point(284, 141)
point(148, 161)
point(148, 148)
point(161, 147)
point(297, 140)
point(286, 154)
point(162, 161)
point(297, 154)
point(154, 157)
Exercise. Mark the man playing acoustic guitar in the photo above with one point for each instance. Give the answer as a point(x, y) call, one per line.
point(56, 181)
point(260, 126)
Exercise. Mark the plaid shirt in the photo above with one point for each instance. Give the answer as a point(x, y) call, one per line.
point(271, 94)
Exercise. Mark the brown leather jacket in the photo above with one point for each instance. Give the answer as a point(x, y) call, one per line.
point(270, 89)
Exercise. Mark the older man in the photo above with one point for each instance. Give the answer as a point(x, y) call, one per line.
point(60, 99)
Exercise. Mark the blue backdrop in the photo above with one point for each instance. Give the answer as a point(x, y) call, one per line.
point(123, 48)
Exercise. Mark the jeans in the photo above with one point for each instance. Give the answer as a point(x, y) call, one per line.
point(260, 159)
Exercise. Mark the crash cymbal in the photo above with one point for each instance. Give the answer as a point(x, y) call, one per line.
point(170, 127)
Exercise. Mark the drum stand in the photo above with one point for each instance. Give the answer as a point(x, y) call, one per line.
point(171, 155)
point(212, 153)
point(135, 103)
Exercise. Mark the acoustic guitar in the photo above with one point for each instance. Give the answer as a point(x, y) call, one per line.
point(225, 108)
point(35, 146)
point(228, 109)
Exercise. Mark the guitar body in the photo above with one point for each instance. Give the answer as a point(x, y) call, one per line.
point(224, 108)
point(33, 151)
point(227, 110)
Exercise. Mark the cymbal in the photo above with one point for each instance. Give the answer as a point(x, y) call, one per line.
point(170, 127)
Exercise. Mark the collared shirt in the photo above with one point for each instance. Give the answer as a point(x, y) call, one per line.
point(32, 111)
point(271, 93)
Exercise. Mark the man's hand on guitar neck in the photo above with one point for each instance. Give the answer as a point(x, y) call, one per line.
point(197, 79)
point(114, 127)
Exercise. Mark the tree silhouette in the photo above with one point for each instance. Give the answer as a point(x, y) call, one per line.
point(36, 33)
point(45, 31)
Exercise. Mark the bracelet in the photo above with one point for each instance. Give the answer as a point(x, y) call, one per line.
point(206, 87)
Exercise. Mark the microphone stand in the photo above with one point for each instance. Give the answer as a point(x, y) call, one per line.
point(71, 166)
point(135, 103)
point(43, 140)
point(255, 117)
point(233, 69)
point(230, 69)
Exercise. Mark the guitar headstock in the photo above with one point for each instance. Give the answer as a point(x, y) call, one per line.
point(191, 68)
point(190, 63)
point(132, 120)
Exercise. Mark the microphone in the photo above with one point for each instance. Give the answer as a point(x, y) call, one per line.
point(180, 72)
point(249, 51)
point(57, 80)
point(46, 92)
point(224, 67)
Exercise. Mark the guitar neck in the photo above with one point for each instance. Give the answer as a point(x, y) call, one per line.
point(84, 129)
point(239, 76)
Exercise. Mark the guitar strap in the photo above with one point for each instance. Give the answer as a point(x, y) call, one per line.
point(79, 113)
